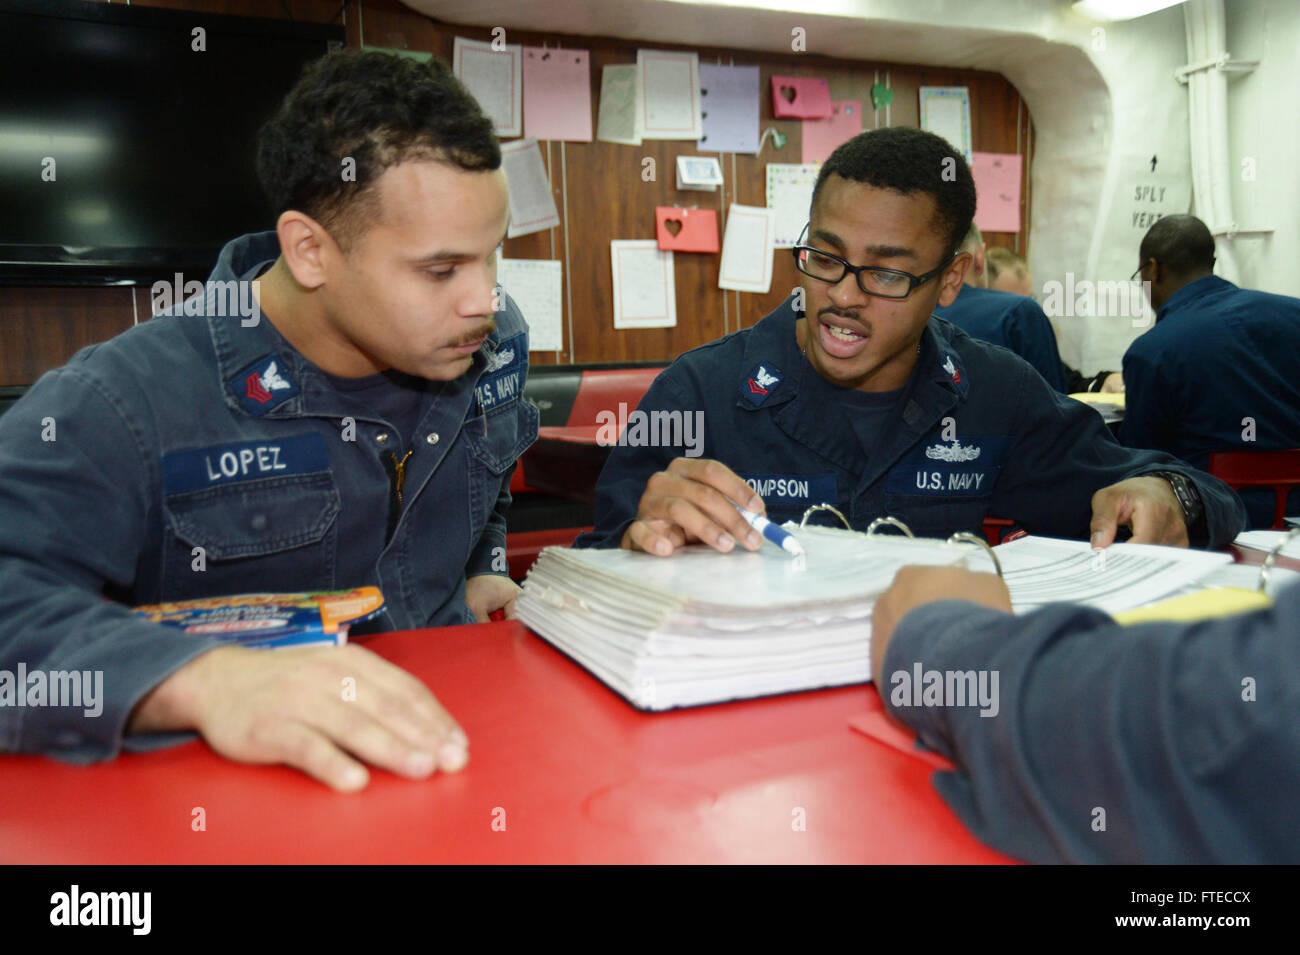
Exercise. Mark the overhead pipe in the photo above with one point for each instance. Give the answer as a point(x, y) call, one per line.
point(1206, 76)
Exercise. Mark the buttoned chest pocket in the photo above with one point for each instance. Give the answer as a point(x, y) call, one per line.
point(496, 441)
point(936, 516)
point(271, 534)
point(943, 486)
point(787, 497)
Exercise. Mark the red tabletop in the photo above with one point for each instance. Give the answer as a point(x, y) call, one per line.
point(570, 771)
point(575, 434)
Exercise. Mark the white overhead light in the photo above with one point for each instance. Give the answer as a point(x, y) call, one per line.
point(1120, 9)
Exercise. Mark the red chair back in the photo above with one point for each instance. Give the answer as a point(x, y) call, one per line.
point(1279, 470)
point(603, 390)
point(994, 528)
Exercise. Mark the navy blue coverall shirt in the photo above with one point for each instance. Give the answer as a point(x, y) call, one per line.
point(1013, 321)
point(977, 433)
point(1184, 734)
point(193, 431)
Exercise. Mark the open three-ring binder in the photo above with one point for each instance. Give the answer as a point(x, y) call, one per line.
point(703, 626)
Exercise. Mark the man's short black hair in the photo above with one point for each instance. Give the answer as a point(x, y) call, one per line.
point(1182, 244)
point(378, 110)
point(910, 160)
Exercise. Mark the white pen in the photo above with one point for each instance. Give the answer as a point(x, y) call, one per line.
point(777, 534)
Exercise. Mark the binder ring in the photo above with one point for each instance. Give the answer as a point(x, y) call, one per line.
point(888, 522)
point(966, 537)
point(823, 507)
point(1272, 558)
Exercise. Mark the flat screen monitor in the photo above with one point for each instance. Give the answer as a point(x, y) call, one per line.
point(128, 136)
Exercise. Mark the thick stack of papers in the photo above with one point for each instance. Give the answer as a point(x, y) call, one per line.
point(703, 627)
point(1042, 570)
point(1267, 540)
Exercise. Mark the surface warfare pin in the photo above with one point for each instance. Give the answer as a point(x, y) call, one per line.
point(263, 385)
point(760, 384)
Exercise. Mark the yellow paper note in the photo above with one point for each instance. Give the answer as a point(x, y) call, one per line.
point(1202, 605)
point(1100, 397)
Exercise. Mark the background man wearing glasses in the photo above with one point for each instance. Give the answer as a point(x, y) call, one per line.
point(1217, 371)
point(851, 393)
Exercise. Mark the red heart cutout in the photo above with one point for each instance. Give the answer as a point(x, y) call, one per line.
point(673, 226)
point(788, 92)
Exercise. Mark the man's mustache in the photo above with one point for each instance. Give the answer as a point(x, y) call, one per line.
point(483, 332)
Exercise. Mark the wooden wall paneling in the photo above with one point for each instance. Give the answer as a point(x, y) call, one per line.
point(1027, 139)
point(393, 25)
point(303, 11)
point(547, 244)
point(42, 328)
point(905, 108)
point(597, 186)
point(750, 187)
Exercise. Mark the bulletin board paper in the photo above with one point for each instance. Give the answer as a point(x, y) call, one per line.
point(997, 191)
point(789, 196)
point(945, 111)
point(645, 292)
point(495, 77)
point(535, 285)
point(557, 94)
point(532, 206)
point(670, 94)
point(747, 250)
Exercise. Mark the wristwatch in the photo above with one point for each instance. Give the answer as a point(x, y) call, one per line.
point(1188, 496)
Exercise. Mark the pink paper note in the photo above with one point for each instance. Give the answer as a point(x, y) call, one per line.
point(997, 191)
point(821, 136)
point(557, 94)
point(800, 97)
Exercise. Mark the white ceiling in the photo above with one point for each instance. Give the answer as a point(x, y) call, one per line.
point(958, 33)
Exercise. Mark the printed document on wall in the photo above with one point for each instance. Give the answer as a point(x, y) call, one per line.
point(620, 110)
point(670, 94)
point(645, 293)
point(496, 79)
point(945, 111)
point(747, 250)
point(532, 206)
point(729, 108)
point(535, 285)
point(789, 196)
point(557, 94)
point(997, 191)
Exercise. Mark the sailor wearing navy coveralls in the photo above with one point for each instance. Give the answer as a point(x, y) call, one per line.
point(1220, 369)
point(976, 433)
point(253, 467)
point(359, 427)
point(1013, 321)
point(866, 402)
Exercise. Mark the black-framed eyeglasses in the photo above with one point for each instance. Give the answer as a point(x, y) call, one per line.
point(1138, 270)
point(882, 283)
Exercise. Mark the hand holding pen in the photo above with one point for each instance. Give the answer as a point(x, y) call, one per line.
point(692, 500)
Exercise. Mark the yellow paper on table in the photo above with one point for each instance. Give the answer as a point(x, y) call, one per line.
point(1115, 398)
point(1202, 605)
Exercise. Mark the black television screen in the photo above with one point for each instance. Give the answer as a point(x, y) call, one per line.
point(127, 153)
